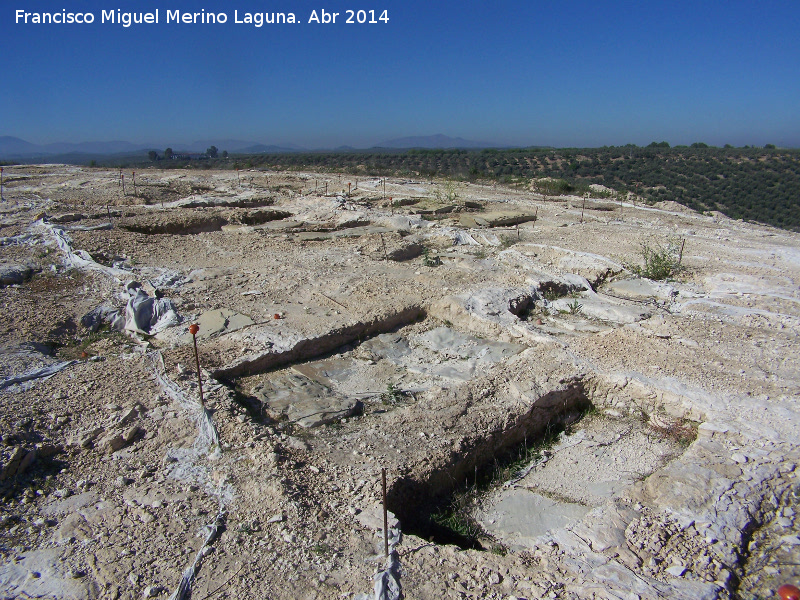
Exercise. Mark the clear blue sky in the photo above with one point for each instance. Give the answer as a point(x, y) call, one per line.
point(577, 73)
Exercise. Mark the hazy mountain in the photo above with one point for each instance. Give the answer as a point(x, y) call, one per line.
point(113, 147)
point(433, 141)
point(271, 149)
point(12, 147)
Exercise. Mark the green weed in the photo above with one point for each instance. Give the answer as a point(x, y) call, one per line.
point(574, 307)
point(660, 261)
point(447, 192)
point(392, 395)
point(428, 259)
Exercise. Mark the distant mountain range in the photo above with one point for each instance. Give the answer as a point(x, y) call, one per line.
point(13, 147)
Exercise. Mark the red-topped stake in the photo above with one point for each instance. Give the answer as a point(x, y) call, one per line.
point(789, 592)
point(193, 329)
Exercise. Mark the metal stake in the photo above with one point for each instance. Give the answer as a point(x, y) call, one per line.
point(385, 516)
point(583, 208)
point(193, 329)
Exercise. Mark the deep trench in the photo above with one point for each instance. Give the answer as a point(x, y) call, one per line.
point(311, 348)
point(416, 499)
point(203, 223)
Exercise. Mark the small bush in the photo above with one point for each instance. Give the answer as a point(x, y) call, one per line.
point(660, 261)
point(448, 193)
point(429, 260)
point(392, 395)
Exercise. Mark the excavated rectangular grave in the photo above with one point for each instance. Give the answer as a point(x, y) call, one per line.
point(381, 369)
point(595, 462)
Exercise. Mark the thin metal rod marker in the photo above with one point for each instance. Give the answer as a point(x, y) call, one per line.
point(680, 258)
point(193, 329)
point(583, 208)
point(385, 516)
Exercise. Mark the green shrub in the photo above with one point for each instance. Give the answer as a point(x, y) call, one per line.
point(660, 261)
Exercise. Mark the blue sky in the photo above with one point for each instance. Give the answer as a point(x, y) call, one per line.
point(580, 73)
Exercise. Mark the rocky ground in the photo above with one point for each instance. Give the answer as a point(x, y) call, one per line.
point(552, 426)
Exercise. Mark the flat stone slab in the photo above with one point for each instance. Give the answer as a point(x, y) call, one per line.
point(360, 230)
point(372, 518)
point(216, 322)
point(580, 472)
point(325, 372)
point(70, 504)
point(389, 346)
point(280, 225)
point(640, 288)
point(595, 307)
point(303, 401)
point(313, 236)
point(461, 345)
point(458, 357)
point(518, 516)
point(440, 355)
point(42, 574)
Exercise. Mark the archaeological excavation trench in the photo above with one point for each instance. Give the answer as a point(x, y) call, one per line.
point(383, 369)
point(186, 222)
point(380, 365)
point(420, 501)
